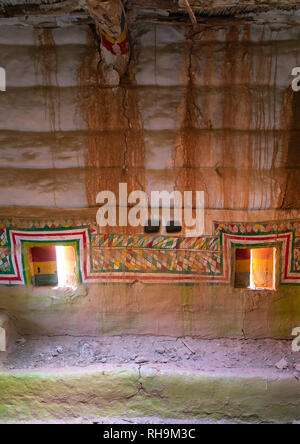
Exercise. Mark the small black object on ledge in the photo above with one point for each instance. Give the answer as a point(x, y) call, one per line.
point(152, 226)
point(173, 226)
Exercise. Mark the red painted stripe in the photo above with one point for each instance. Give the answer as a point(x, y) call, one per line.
point(110, 46)
point(243, 254)
point(160, 278)
point(43, 254)
point(58, 234)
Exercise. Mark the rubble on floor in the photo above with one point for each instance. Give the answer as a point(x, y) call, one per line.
point(185, 353)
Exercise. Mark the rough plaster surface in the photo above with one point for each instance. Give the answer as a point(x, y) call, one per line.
point(133, 391)
point(171, 310)
point(212, 111)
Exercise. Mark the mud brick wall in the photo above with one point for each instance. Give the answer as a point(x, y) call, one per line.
point(211, 110)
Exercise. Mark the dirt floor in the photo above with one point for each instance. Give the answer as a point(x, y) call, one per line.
point(185, 353)
point(263, 358)
point(146, 421)
point(129, 421)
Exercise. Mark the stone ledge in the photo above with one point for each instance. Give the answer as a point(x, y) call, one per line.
point(137, 391)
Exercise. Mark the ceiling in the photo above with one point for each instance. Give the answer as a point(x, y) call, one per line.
point(62, 12)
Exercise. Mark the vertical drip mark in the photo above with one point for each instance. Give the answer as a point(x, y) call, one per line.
point(155, 54)
point(115, 141)
point(275, 148)
point(291, 199)
point(187, 311)
point(46, 67)
point(185, 154)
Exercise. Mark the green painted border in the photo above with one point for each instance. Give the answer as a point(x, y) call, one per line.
point(8, 245)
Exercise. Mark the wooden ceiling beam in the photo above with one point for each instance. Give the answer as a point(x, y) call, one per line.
point(75, 10)
point(190, 11)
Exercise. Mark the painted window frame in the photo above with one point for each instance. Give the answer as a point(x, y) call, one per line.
point(25, 251)
point(277, 265)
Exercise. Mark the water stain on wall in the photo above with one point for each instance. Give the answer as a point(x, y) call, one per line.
point(46, 67)
point(192, 116)
point(291, 198)
point(115, 149)
point(231, 117)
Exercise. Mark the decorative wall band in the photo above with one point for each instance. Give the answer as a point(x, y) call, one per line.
point(120, 258)
point(257, 227)
point(204, 243)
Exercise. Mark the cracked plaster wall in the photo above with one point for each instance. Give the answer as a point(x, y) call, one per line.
point(211, 111)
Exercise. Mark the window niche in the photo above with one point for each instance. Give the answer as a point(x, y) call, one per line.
point(255, 268)
point(53, 266)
